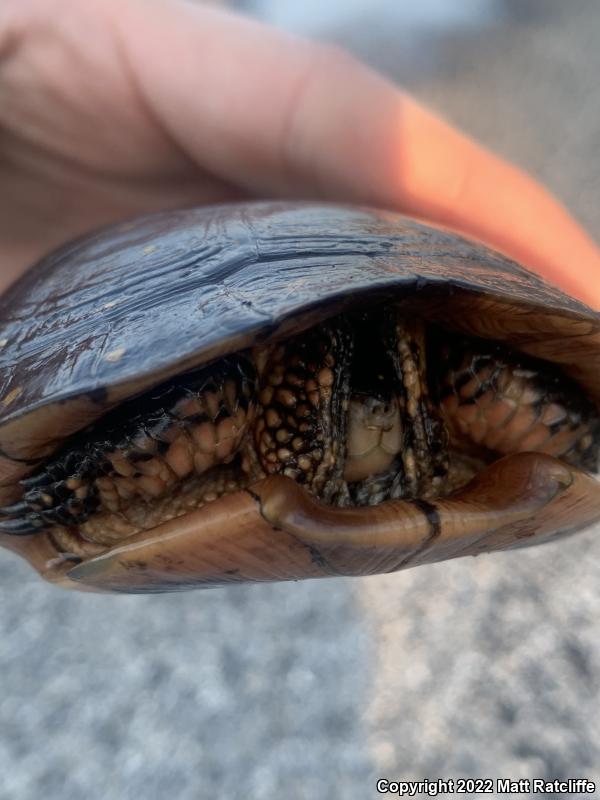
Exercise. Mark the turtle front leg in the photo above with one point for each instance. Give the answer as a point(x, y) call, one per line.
point(301, 420)
point(140, 452)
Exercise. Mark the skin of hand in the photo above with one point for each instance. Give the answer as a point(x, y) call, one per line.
point(113, 108)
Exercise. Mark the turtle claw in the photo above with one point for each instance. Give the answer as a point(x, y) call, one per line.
point(22, 507)
point(33, 481)
point(20, 527)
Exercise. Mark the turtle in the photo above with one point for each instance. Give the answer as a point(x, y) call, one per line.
point(276, 390)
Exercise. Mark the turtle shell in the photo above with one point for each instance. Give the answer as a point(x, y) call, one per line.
point(114, 313)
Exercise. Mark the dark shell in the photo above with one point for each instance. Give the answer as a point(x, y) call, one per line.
point(110, 314)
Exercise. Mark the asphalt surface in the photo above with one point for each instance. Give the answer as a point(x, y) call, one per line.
point(481, 667)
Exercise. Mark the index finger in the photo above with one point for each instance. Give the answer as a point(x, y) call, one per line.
point(281, 116)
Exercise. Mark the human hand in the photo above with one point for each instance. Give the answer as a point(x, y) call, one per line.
point(110, 109)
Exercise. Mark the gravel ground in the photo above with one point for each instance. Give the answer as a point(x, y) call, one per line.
point(482, 667)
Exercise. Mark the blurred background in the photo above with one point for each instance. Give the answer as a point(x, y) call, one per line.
point(485, 667)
